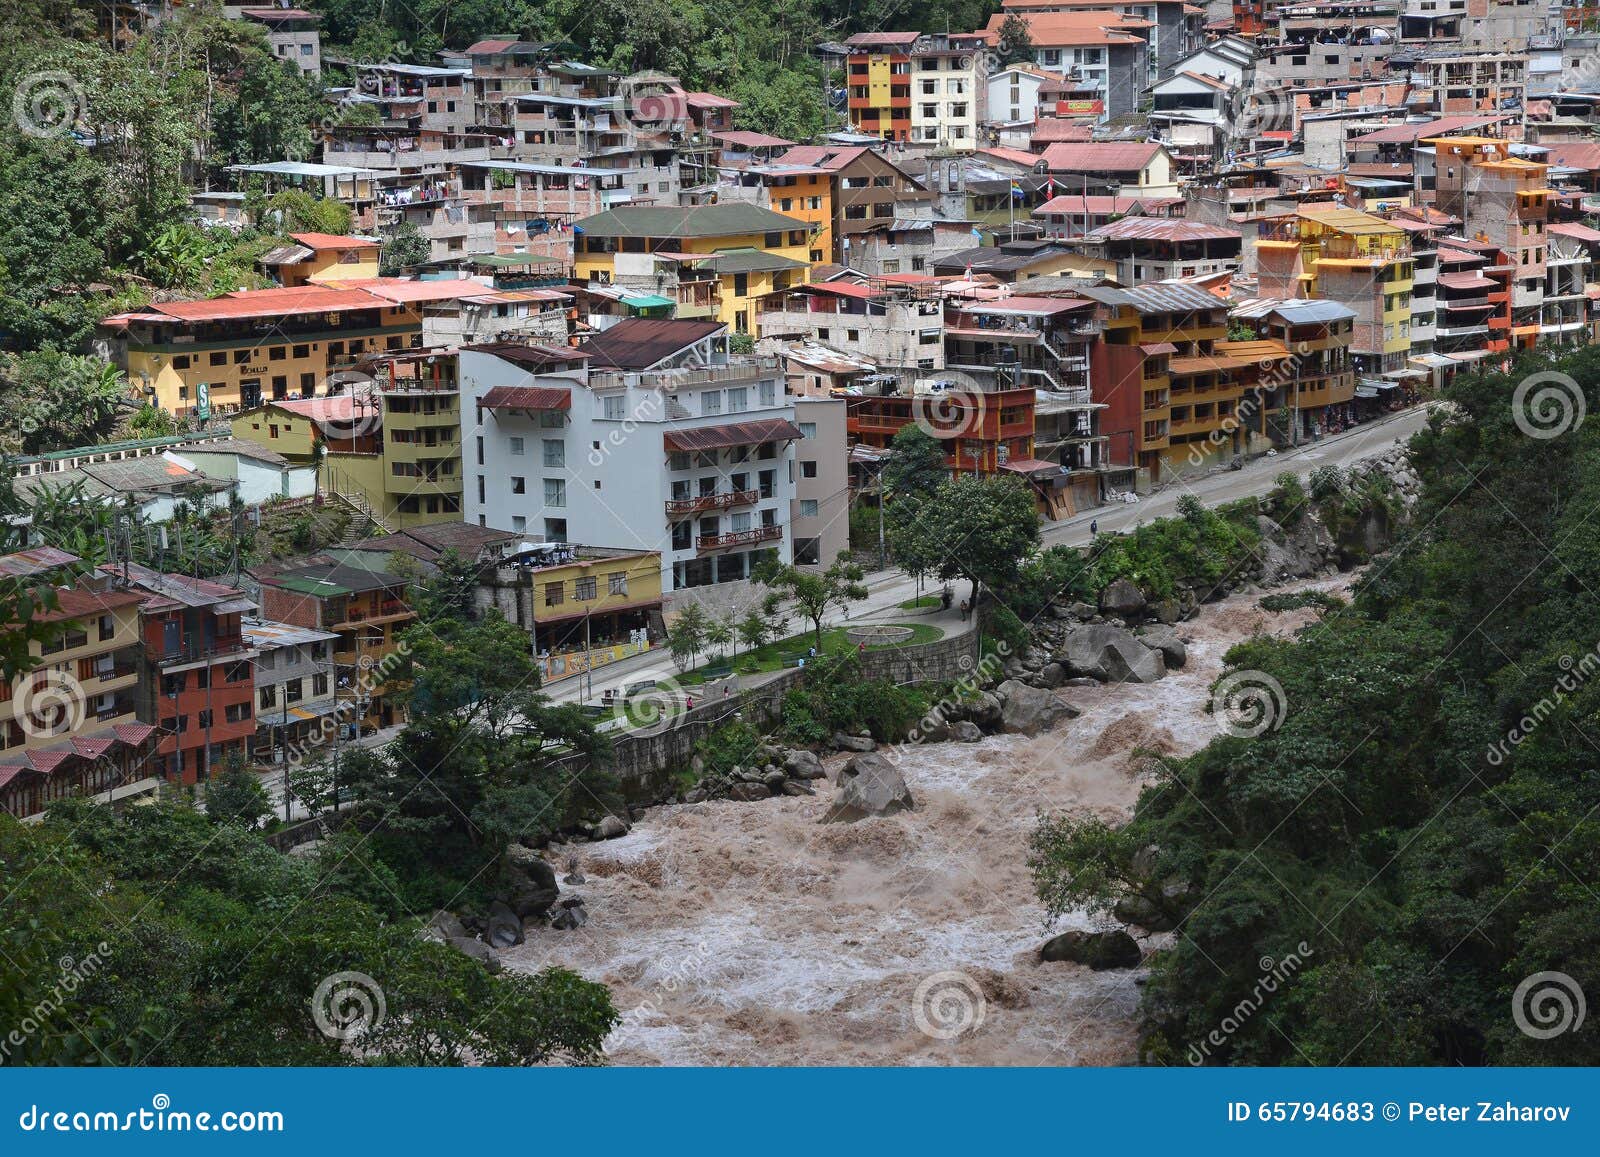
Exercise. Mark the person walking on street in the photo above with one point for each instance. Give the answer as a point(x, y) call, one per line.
point(1094, 527)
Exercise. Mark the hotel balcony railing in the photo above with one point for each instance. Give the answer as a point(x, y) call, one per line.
point(712, 501)
point(738, 538)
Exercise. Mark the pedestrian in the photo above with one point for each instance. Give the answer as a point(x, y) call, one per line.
point(812, 653)
point(689, 702)
point(1094, 527)
point(965, 607)
point(861, 648)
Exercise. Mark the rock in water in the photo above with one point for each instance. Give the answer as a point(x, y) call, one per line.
point(505, 926)
point(1029, 710)
point(803, 765)
point(478, 950)
point(966, 732)
point(443, 927)
point(610, 828)
point(869, 785)
point(1121, 598)
point(1111, 654)
point(529, 884)
point(853, 742)
point(572, 914)
point(1099, 950)
point(749, 792)
point(1164, 639)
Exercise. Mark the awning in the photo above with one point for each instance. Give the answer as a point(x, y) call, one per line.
point(1402, 375)
point(526, 398)
point(315, 711)
point(1433, 361)
point(1467, 281)
point(732, 434)
point(1030, 466)
point(1159, 347)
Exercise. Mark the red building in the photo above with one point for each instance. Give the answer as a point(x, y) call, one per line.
point(879, 79)
point(198, 683)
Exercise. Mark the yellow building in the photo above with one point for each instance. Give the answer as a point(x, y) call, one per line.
point(591, 606)
point(1358, 260)
point(708, 260)
point(392, 452)
point(322, 257)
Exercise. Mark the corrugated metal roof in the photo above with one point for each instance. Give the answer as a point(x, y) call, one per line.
point(1161, 229)
point(724, 219)
point(526, 398)
point(637, 343)
point(731, 434)
point(1295, 311)
point(1100, 157)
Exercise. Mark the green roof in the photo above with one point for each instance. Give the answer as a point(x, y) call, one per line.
point(310, 586)
point(750, 261)
point(647, 301)
point(725, 219)
point(510, 260)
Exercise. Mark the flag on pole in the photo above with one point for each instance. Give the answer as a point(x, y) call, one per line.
point(1016, 191)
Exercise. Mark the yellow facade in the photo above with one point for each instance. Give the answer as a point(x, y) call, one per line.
point(286, 356)
point(809, 198)
point(329, 265)
point(556, 589)
point(735, 307)
point(95, 669)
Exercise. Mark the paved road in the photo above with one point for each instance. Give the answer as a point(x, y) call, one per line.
point(890, 588)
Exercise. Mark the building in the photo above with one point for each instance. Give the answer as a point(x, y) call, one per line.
point(153, 486)
point(738, 251)
point(1077, 214)
point(294, 673)
point(1354, 258)
point(949, 89)
point(1112, 168)
point(1466, 83)
point(1305, 395)
point(366, 611)
point(391, 451)
point(588, 606)
point(1503, 200)
point(804, 192)
point(650, 436)
point(821, 517)
point(867, 189)
point(1147, 249)
point(897, 327)
point(878, 83)
point(1108, 53)
point(321, 258)
point(197, 683)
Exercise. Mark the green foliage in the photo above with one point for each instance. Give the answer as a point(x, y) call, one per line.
point(833, 696)
point(915, 465)
point(296, 211)
point(60, 400)
point(404, 248)
point(1298, 600)
point(1287, 502)
point(981, 529)
point(814, 594)
point(236, 796)
point(1016, 41)
point(1201, 547)
point(1421, 814)
point(686, 637)
point(729, 746)
point(196, 944)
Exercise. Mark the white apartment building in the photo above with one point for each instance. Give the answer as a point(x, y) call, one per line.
point(949, 90)
point(650, 436)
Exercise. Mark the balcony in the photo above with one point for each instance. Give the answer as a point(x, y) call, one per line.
point(221, 646)
point(712, 502)
point(738, 538)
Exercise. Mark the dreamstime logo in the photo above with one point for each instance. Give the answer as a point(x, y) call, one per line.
point(48, 103)
point(948, 1005)
point(660, 707)
point(50, 703)
point(652, 104)
point(1574, 674)
point(1274, 975)
point(366, 410)
point(1556, 406)
point(1547, 1004)
point(1248, 703)
point(645, 411)
point(348, 1005)
point(949, 406)
point(1255, 113)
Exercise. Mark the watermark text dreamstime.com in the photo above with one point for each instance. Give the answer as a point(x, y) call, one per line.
point(1274, 975)
point(73, 975)
point(1574, 674)
point(159, 1117)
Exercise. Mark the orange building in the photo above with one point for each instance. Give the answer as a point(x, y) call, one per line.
point(878, 75)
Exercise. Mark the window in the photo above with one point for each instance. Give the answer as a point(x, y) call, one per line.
point(615, 407)
point(551, 420)
point(584, 588)
point(516, 447)
point(808, 508)
point(294, 690)
point(738, 399)
point(319, 684)
point(555, 492)
point(554, 594)
point(108, 627)
point(617, 584)
point(768, 392)
point(268, 695)
point(277, 353)
point(711, 402)
point(555, 452)
point(203, 719)
point(808, 429)
point(518, 523)
point(236, 712)
point(519, 485)
point(808, 469)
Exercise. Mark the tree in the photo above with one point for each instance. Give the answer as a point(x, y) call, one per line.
point(719, 635)
point(981, 529)
point(269, 116)
point(297, 211)
point(404, 248)
point(236, 796)
point(1016, 40)
point(61, 400)
point(915, 465)
point(451, 591)
point(686, 637)
point(814, 594)
point(753, 629)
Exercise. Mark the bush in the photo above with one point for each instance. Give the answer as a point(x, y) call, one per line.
point(833, 697)
point(726, 748)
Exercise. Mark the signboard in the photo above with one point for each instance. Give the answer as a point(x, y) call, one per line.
point(202, 401)
point(1080, 106)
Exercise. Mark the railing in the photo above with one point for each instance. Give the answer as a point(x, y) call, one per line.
point(712, 501)
point(738, 538)
point(220, 646)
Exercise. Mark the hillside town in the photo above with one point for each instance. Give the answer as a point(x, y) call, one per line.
point(631, 353)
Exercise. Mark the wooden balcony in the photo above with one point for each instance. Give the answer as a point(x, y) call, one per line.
point(721, 501)
point(738, 538)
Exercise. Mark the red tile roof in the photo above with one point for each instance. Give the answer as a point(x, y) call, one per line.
point(1051, 130)
point(1102, 157)
point(750, 140)
point(1015, 156)
point(133, 734)
point(1162, 229)
point(268, 303)
point(35, 560)
point(1575, 155)
point(333, 241)
point(527, 398)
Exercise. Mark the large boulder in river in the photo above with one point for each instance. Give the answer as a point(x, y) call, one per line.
point(1121, 598)
point(869, 785)
point(853, 742)
point(965, 731)
point(802, 764)
point(527, 882)
point(1026, 710)
point(1164, 639)
point(1111, 655)
point(504, 928)
point(478, 950)
point(1099, 950)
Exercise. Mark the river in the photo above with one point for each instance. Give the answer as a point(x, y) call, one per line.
point(750, 934)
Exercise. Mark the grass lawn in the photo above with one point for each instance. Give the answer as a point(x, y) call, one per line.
point(771, 656)
point(926, 602)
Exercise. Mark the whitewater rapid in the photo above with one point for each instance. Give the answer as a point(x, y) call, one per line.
point(750, 934)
